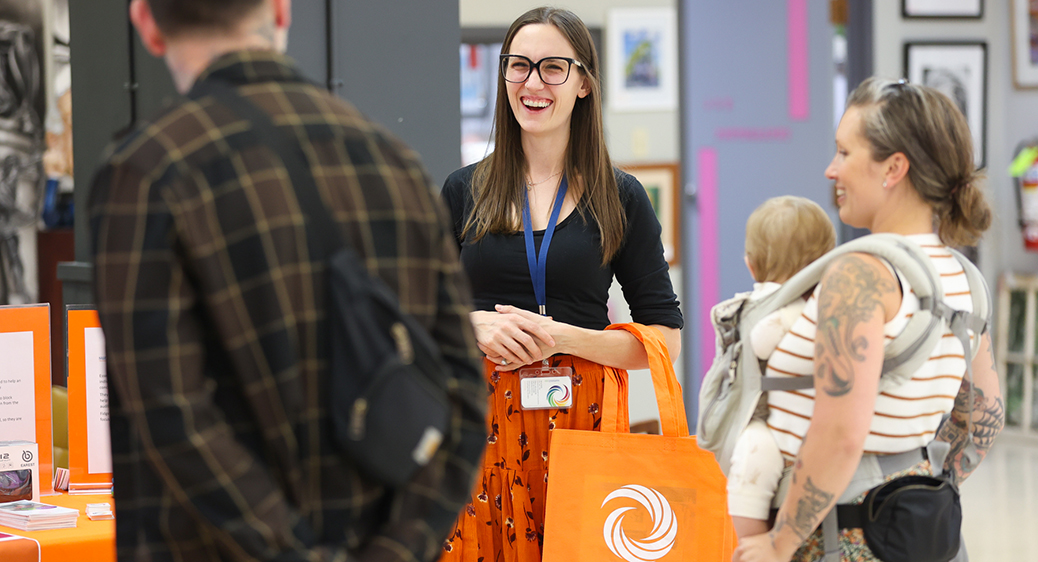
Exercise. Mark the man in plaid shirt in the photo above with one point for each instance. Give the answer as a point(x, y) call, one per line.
point(212, 309)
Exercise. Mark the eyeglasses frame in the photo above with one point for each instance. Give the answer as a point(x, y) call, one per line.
point(537, 66)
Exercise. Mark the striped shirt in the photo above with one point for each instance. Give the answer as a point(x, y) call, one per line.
point(905, 417)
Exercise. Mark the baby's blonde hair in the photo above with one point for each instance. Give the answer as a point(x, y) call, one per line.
point(785, 234)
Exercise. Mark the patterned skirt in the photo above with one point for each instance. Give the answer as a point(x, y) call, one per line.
point(505, 520)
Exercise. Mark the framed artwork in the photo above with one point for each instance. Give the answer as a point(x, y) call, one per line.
point(642, 59)
point(661, 182)
point(1025, 43)
point(959, 70)
point(973, 9)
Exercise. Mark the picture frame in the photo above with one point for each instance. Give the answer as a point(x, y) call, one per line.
point(661, 182)
point(642, 59)
point(958, 69)
point(942, 9)
point(1025, 44)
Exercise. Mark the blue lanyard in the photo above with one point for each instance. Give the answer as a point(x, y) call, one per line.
point(539, 266)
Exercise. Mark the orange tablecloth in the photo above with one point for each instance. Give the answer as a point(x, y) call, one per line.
point(90, 541)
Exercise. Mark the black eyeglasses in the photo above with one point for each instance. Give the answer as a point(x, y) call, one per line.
point(552, 70)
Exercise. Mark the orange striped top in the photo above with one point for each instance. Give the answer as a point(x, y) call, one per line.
point(905, 417)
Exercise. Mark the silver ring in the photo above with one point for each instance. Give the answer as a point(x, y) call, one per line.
point(504, 361)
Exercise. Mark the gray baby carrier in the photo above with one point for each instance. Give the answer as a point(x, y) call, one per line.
point(734, 385)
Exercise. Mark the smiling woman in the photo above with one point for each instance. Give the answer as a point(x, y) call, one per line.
point(549, 194)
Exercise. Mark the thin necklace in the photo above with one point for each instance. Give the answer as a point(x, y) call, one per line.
point(530, 184)
point(553, 196)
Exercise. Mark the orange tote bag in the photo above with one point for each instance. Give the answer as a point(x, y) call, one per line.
point(640, 498)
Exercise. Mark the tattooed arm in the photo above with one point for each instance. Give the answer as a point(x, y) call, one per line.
point(989, 414)
point(858, 295)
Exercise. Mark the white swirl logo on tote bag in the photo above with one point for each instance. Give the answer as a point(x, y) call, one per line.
point(664, 525)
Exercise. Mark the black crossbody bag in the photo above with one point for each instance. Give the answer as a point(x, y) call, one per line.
point(909, 519)
point(388, 383)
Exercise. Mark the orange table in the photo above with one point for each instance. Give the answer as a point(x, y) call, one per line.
point(90, 541)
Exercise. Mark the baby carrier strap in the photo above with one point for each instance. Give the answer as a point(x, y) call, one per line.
point(911, 348)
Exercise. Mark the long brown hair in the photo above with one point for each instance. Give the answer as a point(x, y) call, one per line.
point(497, 184)
point(928, 128)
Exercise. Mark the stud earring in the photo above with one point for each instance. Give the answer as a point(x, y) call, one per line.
point(884, 184)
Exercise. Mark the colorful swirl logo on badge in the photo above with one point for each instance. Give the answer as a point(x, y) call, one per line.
point(558, 396)
point(664, 526)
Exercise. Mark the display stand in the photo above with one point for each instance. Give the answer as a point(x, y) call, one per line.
point(25, 385)
point(89, 441)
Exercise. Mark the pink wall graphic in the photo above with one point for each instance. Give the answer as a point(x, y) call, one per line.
point(709, 259)
point(799, 76)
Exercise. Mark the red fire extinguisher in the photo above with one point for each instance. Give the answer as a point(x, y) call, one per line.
point(1025, 170)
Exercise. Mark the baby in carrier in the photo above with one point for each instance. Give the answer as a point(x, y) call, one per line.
point(783, 235)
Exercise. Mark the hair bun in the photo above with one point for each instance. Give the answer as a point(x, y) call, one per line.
point(960, 186)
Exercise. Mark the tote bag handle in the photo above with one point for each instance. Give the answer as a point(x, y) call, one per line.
point(665, 383)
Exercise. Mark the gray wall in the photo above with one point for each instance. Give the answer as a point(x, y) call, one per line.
point(734, 77)
point(396, 60)
point(398, 63)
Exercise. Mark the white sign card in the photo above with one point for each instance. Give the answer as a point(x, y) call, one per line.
point(99, 441)
point(17, 387)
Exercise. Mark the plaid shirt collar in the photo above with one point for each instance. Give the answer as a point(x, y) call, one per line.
point(250, 66)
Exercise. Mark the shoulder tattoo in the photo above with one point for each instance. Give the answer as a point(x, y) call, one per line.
point(852, 293)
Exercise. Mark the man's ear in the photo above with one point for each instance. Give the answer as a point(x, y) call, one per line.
point(151, 36)
point(282, 13)
point(895, 168)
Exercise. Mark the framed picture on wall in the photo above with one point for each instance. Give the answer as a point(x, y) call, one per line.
point(661, 183)
point(1025, 43)
point(942, 8)
point(642, 59)
point(959, 70)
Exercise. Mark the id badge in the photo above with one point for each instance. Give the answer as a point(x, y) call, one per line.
point(544, 388)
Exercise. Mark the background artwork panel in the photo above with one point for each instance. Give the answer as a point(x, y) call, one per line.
point(22, 107)
point(661, 183)
point(958, 70)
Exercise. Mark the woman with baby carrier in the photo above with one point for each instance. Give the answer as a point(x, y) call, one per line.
point(903, 165)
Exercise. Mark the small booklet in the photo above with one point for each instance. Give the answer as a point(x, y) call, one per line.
point(35, 516)
point(61, 479)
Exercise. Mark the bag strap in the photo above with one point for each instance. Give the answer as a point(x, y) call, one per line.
point(673, 422)
point(327, 236)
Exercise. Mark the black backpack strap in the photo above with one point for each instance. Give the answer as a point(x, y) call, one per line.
point(328, 237)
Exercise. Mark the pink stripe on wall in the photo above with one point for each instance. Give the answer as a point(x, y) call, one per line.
point(709, 258)
point(799, 77)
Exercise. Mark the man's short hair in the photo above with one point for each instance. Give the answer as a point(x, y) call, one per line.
point(178, 16)
point(785, 234)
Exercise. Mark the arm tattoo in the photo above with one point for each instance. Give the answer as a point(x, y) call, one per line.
point(989, 417)
point(811, 507)
point(850, 295)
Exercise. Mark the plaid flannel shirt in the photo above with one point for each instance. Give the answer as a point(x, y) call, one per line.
point(212, 308)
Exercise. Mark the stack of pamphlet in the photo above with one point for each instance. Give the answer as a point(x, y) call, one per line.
point(35, 516)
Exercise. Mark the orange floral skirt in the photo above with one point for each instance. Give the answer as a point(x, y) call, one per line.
point(504, 522)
